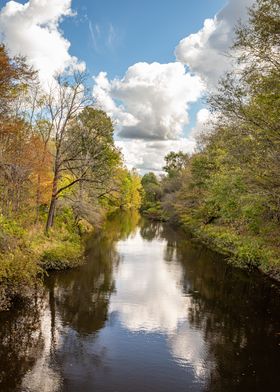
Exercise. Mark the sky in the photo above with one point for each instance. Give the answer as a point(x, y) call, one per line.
point(151, 62)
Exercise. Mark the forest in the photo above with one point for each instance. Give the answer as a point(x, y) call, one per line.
point(227, 192)
point(61, 173)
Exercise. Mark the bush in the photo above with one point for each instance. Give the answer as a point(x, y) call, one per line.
point(19, 272)
point(62, 256)
point(10, 227)
point(155, 212)
point(11, 233)
point(25, 255)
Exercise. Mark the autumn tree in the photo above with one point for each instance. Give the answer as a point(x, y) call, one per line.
point(15, 138)
point(128, 189)
point(82, 139)
point(15, 75)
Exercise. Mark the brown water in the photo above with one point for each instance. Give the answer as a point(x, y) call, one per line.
point(149, 311)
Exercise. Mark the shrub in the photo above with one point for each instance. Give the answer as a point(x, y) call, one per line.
point(62, 256)
point(19, 272)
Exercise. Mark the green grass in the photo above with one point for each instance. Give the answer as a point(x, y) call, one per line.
point(25, 254)
point(243, 250)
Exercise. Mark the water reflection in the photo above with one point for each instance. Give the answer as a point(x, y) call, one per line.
point(44, 376)
point(149, 295)
point(21, 342)
point(239, 314)
point(149, 311)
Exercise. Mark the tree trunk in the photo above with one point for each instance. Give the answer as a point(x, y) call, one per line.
point(38, 193)
point(51, 212)
point(38, 197)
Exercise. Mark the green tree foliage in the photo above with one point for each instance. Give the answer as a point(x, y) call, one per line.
point(57, 159)
point(175, 162)
point(228, 191)
point(127, 190)
point(152, 192)
point(151, 188)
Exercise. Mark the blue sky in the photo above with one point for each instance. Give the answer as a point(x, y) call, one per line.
point(151, 62)
point(146, 30)
point(111, 35)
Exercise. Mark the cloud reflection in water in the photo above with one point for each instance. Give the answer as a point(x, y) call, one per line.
point(149, 299)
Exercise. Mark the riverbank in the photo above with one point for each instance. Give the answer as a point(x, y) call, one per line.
point(242, 250)
point(27, 253)
point(249, 252)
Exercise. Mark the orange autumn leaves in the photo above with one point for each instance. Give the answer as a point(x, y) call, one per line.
point(25, 161)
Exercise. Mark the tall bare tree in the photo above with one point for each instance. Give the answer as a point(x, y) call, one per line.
point(64, 101)
point(83, 140)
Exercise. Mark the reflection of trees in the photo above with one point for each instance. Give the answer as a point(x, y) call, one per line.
point(171, 237)
point(21, 343)
point(81, 299)
point(121, 224)
point(31, 343)
point(237, 312)
point(82, 296)
point(150, 230)
point(239, 316)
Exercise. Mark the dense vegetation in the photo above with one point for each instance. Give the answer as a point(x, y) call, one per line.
point(60, 174)
point(228, 192)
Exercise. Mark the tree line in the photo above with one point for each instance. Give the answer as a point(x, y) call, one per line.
point(53, 143)
point(60, 172)
point(228, 191)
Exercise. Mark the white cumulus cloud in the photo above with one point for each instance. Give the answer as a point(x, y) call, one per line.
point(151, 101)
point(149, 155)
point(205, 52)
point(150, 104)
point(203, 119)
point(32, 30)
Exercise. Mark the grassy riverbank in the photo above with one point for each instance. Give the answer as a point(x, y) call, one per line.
point(27, 253)
point(243, 250)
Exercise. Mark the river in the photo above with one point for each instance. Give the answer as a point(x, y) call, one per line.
point(150, 310)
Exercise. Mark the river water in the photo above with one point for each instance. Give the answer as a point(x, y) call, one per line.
point(149, 311)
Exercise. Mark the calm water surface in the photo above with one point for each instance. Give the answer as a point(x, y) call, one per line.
point(149, 311)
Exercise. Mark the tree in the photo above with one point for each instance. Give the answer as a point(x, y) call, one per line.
point(84, 149)
point(249, 106)
point(15, 138)
point(15, 75)
point(258, 41)
point(63, 103)
point(125, 191)
point(175, 162)
point(152, 189)
point(229, 191)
